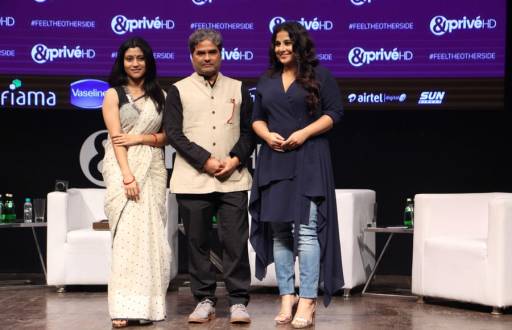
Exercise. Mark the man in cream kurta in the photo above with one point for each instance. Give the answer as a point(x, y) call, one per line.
point(207, 120)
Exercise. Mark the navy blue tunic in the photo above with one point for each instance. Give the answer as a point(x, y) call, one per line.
point(285, 183)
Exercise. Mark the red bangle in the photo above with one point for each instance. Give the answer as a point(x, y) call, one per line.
point(127, 183)
point(154, 137)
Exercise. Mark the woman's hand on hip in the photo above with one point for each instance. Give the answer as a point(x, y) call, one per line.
point(126, 139)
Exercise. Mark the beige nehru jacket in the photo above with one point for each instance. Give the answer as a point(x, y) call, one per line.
point(211, 119)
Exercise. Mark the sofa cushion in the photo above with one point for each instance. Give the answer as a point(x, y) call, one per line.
point(88, 236)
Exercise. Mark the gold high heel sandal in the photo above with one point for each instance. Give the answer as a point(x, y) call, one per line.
point(123, 323)
point(284, 318)
point(301, 322)
point(119, 323)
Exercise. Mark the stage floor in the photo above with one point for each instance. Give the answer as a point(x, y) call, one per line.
point(86, 308)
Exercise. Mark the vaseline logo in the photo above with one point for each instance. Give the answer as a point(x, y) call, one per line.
point(88, 93)
point(201, 2)
point(42, 54)
point(311, 25)
point(121, 25)
point(360, 2)
point(440, 25)
point(14, 97)
point(358, 56)
point(237, 55)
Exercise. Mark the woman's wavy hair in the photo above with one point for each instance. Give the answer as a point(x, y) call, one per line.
point(305, 59)
point(118, 76)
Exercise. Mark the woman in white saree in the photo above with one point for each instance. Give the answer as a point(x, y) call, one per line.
point(135, 177)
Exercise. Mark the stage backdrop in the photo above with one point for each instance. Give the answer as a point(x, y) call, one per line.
point(411, 61)
point(388, 54)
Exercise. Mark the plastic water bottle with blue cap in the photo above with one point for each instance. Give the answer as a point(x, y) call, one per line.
point(27, 210)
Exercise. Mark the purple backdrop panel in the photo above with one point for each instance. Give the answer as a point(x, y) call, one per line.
point(354, 38)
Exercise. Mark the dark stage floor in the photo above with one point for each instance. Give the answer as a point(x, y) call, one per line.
point(86, 308)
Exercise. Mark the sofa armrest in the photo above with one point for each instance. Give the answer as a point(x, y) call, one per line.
point(172, 209)
point(57, 217)
point(499, 246)
point(172, 230)
point(355, 208)
point(56, 234)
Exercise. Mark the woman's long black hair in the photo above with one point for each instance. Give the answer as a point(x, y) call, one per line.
point(118, 76)
point(305, 59)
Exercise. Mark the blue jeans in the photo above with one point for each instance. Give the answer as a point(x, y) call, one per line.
point(309, 256)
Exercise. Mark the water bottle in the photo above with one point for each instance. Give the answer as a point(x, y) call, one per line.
point(9, 209)
point(27, 211)
point(409, 213)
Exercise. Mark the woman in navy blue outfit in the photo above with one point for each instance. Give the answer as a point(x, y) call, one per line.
point(297, 101)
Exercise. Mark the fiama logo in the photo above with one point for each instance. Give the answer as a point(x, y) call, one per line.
point(431, 97)
point(14, 97)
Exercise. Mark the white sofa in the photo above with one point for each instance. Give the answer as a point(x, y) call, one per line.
point(355, 212)
point(77, 254)
point(462, 248)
